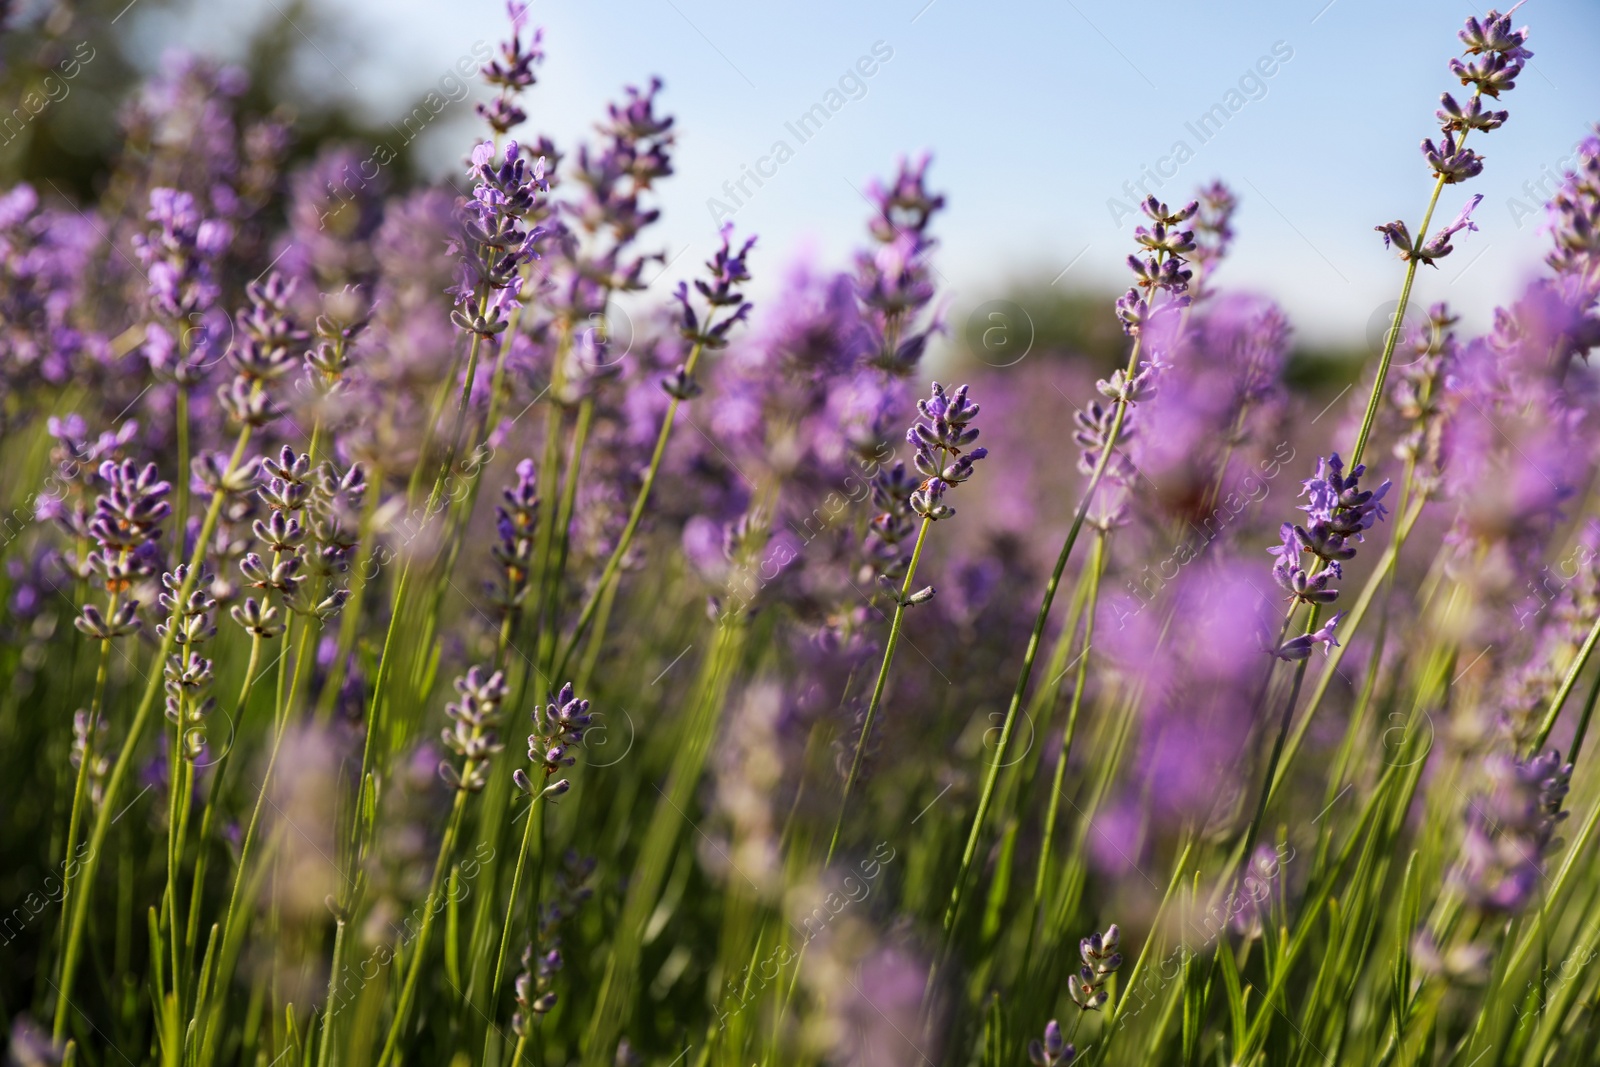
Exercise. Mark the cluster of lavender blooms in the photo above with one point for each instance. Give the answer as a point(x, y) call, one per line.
point(558, 727)
point(941, 438)
point(43, 256)
point(188, 675)
point(124, 528)
point(1338, 512)
point(895, 281)
point(471, 733)
point(1511, 831)
point(497, 238)
point(1495, 57)
point(512, 72)
point(1099, 960)
point(1150, 312)
point(515, 523)
point(705, 330)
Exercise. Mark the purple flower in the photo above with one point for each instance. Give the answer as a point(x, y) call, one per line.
point(557, 727)
point(1450, 160)
point(514, 547)
point(178, 256)
point(894, 282)
point(1472, 116)
point(1490, 73)
point(497, 241)
point(941, 438)
point(1162, 266)
point(1298, 648)
point(727, 270)
point(1099, 960)
point(512, 71)
point(1511, 830)
point(1338, 511)
point(1494, 34)
point(1396, 234)
point(1054, 1050)
point(471, 734)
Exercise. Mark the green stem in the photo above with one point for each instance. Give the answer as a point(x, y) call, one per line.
point(80, 789)
point(1047, 838)
point(1032, 650)
point(625, 541)
point(511, 906)
point(192, 931)
point(560, 541)
point(331, 1011)
point(121, 769)
point(877, 688)
point(1571, 679)
point(420, 949)
point(1393, 336)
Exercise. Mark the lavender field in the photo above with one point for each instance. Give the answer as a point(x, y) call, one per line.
point(427, 640)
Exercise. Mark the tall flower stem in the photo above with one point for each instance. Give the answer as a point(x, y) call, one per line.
point(408, 990)
point(895, 626)
point(330, 1010)
point(613, 563)
point(1031, 651)
point(80, 787)
point(535, 815)
point(1058, 781)
point(217, 779)
point(1560, 698)
point(560, 541)
point(121, 769)
point(232, 921)
point(386, 658)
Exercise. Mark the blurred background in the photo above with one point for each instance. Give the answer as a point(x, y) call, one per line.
point(1047, 122)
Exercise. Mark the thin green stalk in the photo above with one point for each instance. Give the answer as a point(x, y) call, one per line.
point(560, 540)
point(1031, 651)
point(878, 686)
point(1058, 782)
point(330, 1013)
point(181, 505)
point(1114, 1009)
point(625, 541)
point(176, 781)
point(534, 815)
point(121, 769)
point(1571, 679)
point(1583, 722)
point(659, 841)
point(402, 586)
point(420, 949)
point(214, 792)
point(80, 788)
point(232, 924)
point(1393, 336)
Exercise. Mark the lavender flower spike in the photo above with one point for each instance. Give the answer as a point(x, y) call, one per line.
point(1338, 512)
point(939, 438)
point(1053, 1051)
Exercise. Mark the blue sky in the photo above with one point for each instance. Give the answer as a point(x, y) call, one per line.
point(1036, 113)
